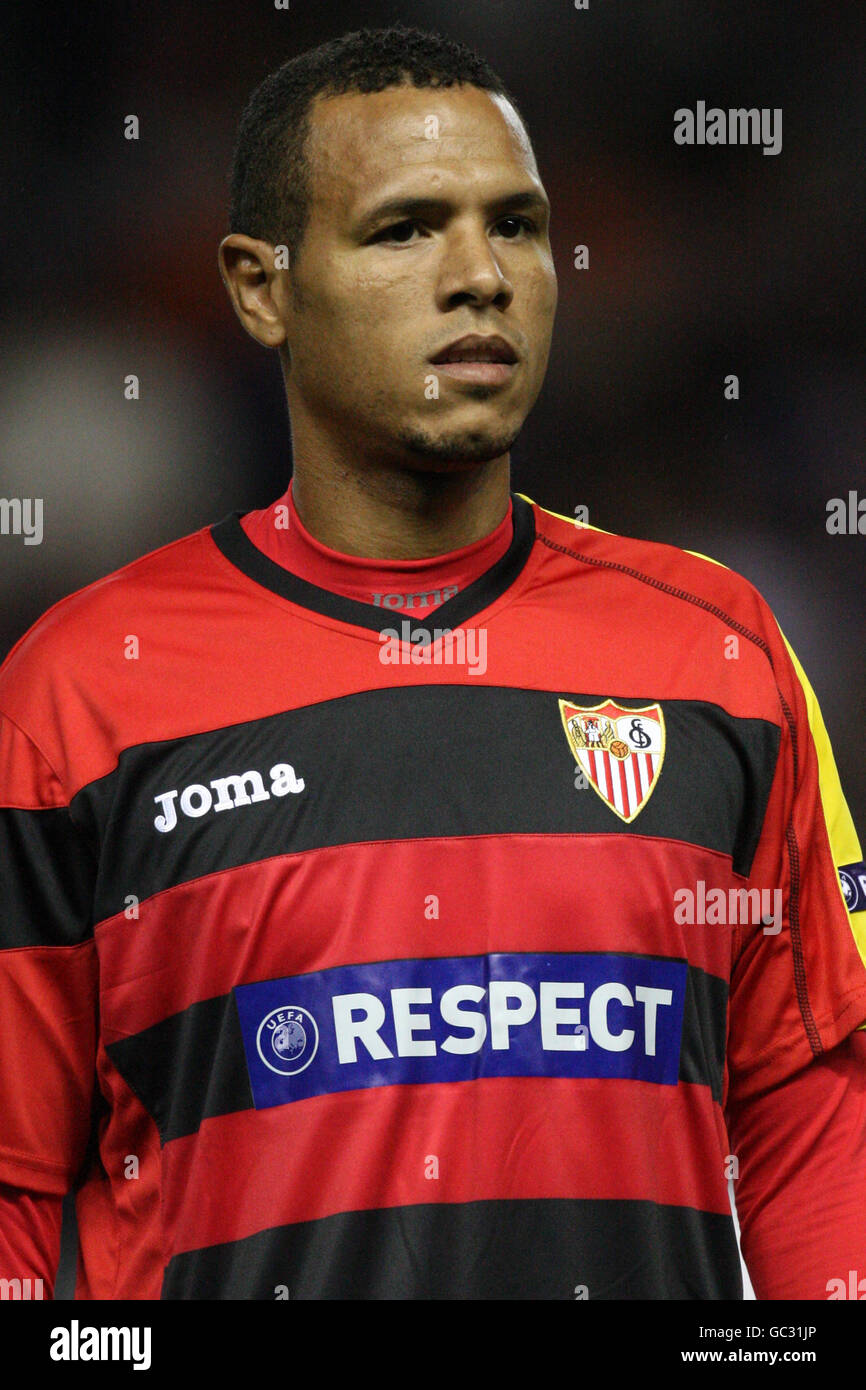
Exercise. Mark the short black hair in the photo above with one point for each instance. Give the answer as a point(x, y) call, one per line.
point(270, 175)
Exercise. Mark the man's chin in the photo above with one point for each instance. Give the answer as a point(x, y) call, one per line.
point(452, 452)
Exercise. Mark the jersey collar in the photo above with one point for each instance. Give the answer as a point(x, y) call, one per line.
point(234, 543)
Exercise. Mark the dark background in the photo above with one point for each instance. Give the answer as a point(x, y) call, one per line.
point(704, 261)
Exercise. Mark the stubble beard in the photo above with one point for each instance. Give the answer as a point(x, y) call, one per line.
point(461, 448)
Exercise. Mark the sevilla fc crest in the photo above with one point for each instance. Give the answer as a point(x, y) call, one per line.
point(620, 750)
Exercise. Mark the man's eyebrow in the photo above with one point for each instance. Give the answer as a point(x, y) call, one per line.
point(404, 208)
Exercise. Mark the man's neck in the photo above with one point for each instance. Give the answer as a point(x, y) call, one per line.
point(400, 514)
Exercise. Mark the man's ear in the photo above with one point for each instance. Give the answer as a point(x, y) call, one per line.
point(255, 287)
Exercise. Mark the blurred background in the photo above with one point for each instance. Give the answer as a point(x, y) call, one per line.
point(703, 261)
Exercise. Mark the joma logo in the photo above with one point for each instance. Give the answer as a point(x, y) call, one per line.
point(431, 599)
point(239, 789)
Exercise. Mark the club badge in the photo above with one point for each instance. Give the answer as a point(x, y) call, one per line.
point(620, 750)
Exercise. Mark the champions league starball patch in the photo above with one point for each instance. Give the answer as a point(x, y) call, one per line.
point(620, 750)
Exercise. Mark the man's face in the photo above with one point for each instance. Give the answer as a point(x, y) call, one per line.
point(427, 222)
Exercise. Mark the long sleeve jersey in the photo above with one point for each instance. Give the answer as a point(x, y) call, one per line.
point(351, 953)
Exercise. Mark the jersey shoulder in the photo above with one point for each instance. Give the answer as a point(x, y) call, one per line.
point(74, 629)
point(671, 571)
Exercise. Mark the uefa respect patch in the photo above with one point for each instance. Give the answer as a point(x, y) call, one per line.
point(460, 1018)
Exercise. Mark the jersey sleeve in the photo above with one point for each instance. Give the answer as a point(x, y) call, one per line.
point(48, 975)
point(30, 1232)
point(802, 1172)
point(798, 978)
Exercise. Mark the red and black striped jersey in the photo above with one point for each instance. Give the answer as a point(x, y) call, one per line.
point(344, 956)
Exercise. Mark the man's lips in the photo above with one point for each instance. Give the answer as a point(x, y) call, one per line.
point(486, 359)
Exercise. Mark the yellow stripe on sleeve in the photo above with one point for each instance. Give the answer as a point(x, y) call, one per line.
point(844, 844)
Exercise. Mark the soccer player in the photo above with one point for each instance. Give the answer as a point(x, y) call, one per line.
point(407, 892)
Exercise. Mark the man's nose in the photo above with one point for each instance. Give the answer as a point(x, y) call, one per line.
point(470, 271)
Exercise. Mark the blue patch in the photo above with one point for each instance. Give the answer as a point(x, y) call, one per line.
point(401, 1022)
point(853, 880)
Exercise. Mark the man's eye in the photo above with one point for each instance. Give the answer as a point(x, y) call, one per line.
point(519, 224)
point(402, 233)
point(399, 231)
